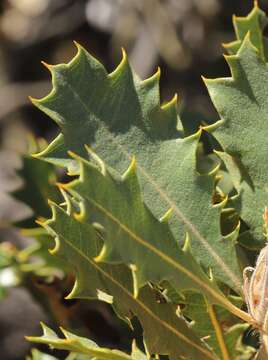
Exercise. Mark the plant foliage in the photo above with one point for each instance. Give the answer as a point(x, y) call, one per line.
point(152, 220)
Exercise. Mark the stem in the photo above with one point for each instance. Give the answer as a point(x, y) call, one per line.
point(240, 313)
point(218, 331)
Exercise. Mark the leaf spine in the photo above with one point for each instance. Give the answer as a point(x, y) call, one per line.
point(121, 66)
point(131, 169)
point(74, 290)
point(47, 66)
point(82, 214)
point(165, 218)
point(187, 244)
point(99, 258)
point(99, 161)
point(171, 104)
point(154, 78)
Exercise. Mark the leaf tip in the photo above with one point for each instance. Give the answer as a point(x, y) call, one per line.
point(158, 72)
point(77, 45)
point(136, 286)
point(88, 148)
point(173, 102)
point(153, 79)
point(51, 202)
point(131, 169)
point(99, 258)
point(205, 79)
point(33, 100)
point(74, 291)
point(98, 160)
point(187, 244)
point(214, 171)
point(246, 42)
point(43, 325)
point(47, 66)
point(165, 218)
point(123, 65)
point(133, 164)
point(124, 54)
point(227, 57)
point(56, 246)
point(80, 216)
point(61, 186)
point(72, 154)
point(39, 222)
point(210, 275)
point(80, 50)
point(222, 203)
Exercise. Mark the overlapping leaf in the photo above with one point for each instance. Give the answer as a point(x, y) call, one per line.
point(38, 186)
point(121, 116)
point(133, 235)
point(217, 326)
point(164, 332)
point(241, 101)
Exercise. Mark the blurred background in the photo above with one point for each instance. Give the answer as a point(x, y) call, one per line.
point(182, 36)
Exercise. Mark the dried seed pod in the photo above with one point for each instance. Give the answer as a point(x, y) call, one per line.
point(256, 286)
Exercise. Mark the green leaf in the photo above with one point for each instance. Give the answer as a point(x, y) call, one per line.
point(121, 117)
point(10, 273)
point(164, 332)
point(38, 355)
point(44, 264)
point(84, 348)
point(16, 266)
point(241, 101)
point(78, 345)
point(39, 180)
point(216, 326)
point(253, 25)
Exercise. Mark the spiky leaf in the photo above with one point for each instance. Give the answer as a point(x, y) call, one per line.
point(241, 101)
point(86, 347)
point(114, 283)
point(78, 345)
point(121, 116)
point(253, 24)
point(38, 185)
